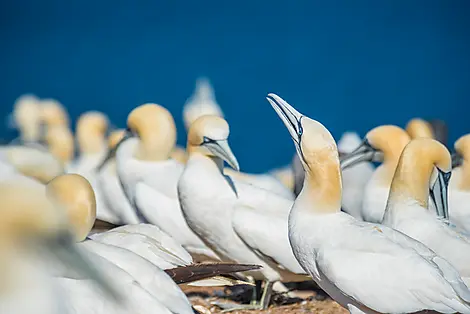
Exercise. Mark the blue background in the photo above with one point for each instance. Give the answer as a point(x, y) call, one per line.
point(350, 64)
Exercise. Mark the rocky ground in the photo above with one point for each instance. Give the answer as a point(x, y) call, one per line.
point(309, 301)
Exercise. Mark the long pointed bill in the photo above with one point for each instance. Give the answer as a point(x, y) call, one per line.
point(222, 150)
point(457, 160)
point(112, 151)
point(288, 115)
point(438, 193)
point(363, 153)
point(63, 248)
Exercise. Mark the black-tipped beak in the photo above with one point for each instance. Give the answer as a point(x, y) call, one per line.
point(438, 193)
point(364, 153)
point(290, 116)
point(457, 160)
point(112, 151)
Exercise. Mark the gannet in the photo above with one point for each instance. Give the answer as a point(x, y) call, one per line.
point(355, 178)
point(32, 234)
point(111, 187)
point(386, 271)
point(209, 199)
point(407, 207)
point(91, 132)
point(149, 177)
point(74, 194)
point(381, 143)
point(459, 186)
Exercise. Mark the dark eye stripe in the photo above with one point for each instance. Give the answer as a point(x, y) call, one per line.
point(206, 140)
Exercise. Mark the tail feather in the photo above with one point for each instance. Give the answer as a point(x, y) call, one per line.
point(196, 272)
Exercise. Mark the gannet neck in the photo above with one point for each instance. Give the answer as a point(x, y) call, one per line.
point(179, 154)
point(156, 130)
point(211, 162)
point(322, 185)
point(74, 194)
point(61, 143)
point(413, 174)
point(91, 129)
point(462, 177)
point(419, 128)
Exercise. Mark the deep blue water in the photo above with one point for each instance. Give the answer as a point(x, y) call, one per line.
point(350, 64)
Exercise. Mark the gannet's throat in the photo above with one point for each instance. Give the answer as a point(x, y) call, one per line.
point(322, 184)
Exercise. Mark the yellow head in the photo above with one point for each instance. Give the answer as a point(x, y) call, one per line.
point(208, 136)
point(155, 127)
point(61, 143)
point(417, 128)
point(74, 194)
point(27, 116)
point(53, 113)
point(91, 130)
point(389, 139)
point(319, 156)
point(179, 154)
point(413, 176)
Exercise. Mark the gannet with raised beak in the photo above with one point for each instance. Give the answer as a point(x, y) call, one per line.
point(384, 143)
point(149, 176)
point(459, 186)
point(424, 171)
point(33, 235)
point(386, 271)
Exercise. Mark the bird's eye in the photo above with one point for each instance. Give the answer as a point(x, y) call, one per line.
point(301, 129)
point(206, 140)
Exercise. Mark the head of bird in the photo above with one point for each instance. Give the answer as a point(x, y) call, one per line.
point(74, 195)
point(208, 136)
point(91, 131)
point(61, 143)
point(27, 115)
point(53, 113)
point(417, 128)
point(383, 143)
point(201, 103)
point(423, 170)
point(318, 153)
point(460, 161)
point(155, 127)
